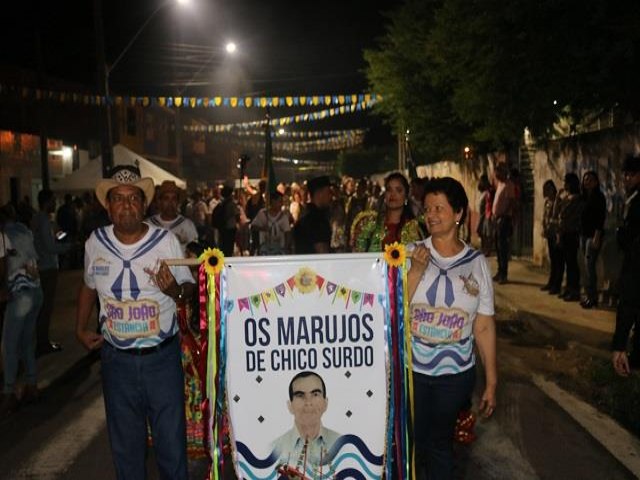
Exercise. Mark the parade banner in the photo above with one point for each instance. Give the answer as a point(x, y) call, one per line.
point(306, 365)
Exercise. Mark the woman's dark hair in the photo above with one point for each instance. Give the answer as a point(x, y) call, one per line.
point(453, 190)
point(483, 183)
point(550, 185)
point(572, 182)
point(407, 212)
point(594, 174)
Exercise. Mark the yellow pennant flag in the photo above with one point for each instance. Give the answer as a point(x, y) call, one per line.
point(327, 99)
point(289, 101)
point(217, 101)
point(162, 101)
point(343, 292)
point(303, 100)
point(192, 102)
point(145, 101)
point(248, 101)
point(315, 100)
point(275, 101)
point(341, 99)
point(233, 101)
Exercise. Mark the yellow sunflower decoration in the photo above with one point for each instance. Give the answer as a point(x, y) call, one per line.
point(213, 260)
point(395, 254)
point(305, 280)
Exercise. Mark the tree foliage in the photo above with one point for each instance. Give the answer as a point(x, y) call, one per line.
point(480, 71)
point(360, 163)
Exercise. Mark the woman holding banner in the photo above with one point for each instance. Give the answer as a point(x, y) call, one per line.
point(370, 232)
point(451, 305)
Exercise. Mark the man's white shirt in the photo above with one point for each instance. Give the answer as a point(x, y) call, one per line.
point(134, 312)
point(181, 227)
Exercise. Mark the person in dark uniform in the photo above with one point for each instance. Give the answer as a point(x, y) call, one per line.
point(312, 233)
point(628, 236)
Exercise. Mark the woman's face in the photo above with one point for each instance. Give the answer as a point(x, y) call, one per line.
point(589, 182)
point(395, 195)
point(439, 215)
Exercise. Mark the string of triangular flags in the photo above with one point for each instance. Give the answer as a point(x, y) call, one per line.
point(305, 146)
point(273, 295)
point(88, 99)
point(281, 121)
point(295, 134)
point(329, 143)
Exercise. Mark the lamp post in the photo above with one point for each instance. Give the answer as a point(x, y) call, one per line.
point(104, 72)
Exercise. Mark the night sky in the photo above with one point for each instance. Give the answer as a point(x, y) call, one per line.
point(284, 46)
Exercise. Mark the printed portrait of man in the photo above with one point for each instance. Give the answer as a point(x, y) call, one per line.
point(308, 439)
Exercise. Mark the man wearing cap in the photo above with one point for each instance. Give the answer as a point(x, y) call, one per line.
point(628, 236)
point(167, 199)
point(142, 377)
point(312, 233)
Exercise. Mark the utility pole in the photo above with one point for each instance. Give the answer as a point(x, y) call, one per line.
point(43, 112)
point(103, 89)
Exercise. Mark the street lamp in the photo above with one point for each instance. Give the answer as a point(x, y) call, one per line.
point(231, 48)
point(104, 72)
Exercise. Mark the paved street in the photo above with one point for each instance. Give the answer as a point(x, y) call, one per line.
point(64, 435)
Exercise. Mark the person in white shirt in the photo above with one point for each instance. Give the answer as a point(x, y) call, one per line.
point(274, 227)
point(167, 199)
point(142, 378)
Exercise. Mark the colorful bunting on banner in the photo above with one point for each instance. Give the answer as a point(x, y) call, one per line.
point(304, 282)
point(342, 100)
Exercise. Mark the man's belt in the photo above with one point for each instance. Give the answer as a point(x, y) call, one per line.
point(147, 350)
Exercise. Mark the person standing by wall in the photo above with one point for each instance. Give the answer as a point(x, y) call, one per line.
point(503, 210)
point(568, 236)
point(48, 250)
point(591, 232)
point(549, 229)
point(628, 236)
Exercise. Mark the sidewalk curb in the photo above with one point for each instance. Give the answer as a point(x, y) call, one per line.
point(618, 441)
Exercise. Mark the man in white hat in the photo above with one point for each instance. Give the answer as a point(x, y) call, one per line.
point(168, 217)
point(142, 375)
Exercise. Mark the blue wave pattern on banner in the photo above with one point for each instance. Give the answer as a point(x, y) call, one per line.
point(252, 460)
point(350, 473)
point(252, 463)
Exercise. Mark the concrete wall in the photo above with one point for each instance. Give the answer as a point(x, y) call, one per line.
point(602, 152)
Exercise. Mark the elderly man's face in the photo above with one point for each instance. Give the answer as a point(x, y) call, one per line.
point(168, 205)
point(308, 402)
point(126, 206)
